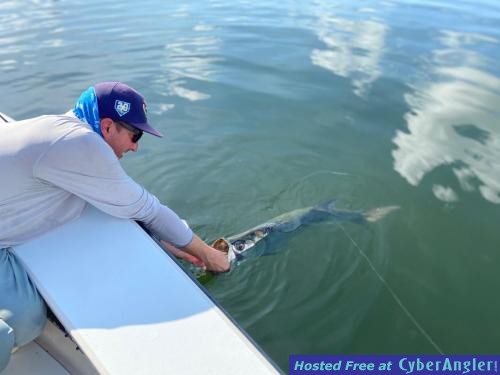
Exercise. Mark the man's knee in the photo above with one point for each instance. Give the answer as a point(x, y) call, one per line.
point(6, 343)
point(21, 306)
point(26, 314)
point(29, 322)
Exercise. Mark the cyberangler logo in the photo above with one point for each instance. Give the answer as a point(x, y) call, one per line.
point(121, 107)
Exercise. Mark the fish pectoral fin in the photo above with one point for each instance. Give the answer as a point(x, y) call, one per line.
point(288, 226)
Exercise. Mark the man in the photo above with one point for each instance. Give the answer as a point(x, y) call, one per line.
point(51, 167)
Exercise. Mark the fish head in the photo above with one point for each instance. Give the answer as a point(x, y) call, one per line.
point(242, 243)
point(236, 247)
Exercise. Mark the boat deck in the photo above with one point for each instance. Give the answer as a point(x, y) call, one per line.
point(130, 307)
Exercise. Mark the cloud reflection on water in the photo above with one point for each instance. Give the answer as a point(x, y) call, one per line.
point(354, 49)
point(454, 121)
point(190, 57)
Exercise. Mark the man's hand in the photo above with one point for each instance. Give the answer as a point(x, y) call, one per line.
point(200, 254)
point(215, 260)
point(182, 254)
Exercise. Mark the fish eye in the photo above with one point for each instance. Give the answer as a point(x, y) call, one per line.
point(239, 245)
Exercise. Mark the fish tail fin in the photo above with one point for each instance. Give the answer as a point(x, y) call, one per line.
point(379, 213)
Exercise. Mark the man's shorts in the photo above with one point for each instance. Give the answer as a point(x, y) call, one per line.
point(22, 310)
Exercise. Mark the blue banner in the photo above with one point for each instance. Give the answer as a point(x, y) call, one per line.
point(394, 364)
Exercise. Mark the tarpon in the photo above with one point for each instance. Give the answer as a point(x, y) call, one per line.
point(237, 247)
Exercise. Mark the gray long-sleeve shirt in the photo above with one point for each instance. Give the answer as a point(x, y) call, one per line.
point(51, 166)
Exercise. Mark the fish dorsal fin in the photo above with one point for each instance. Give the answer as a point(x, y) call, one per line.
point(327, 206)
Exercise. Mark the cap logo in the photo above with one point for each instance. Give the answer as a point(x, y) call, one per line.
point(145, 108)
point(121, 107)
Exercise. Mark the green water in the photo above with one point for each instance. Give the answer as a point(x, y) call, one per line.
point(268, 108)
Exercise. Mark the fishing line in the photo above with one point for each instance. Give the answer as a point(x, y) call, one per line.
point(379, 276)
point(392, 292)
point(296, 183)
point(323, 171)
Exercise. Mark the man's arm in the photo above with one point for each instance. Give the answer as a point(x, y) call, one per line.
point(85, 165)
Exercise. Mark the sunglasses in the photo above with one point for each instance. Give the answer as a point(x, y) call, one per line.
point(137, 133)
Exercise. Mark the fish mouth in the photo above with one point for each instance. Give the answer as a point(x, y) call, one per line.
point(221, 244)
point(225, 246)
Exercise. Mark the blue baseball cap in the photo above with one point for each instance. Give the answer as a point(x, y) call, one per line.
point(120, 102)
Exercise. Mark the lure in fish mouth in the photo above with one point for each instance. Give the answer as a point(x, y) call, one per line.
point(237, 247)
